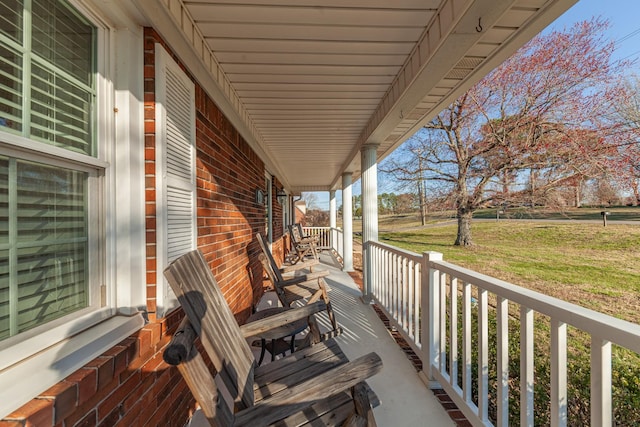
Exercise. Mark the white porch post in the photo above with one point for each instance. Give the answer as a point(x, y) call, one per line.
point(369, 211)
point(332, 209)
point(347, 223)
point(332, 219)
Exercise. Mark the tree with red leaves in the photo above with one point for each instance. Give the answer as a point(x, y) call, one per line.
point(544, 118)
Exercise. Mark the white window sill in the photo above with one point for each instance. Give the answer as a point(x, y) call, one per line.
point(35, 374)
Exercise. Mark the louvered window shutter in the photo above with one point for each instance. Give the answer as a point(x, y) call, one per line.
point(175, 170)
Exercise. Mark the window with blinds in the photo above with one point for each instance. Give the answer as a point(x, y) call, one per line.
point(43, 244)
point(47, 73)
point(47, 94)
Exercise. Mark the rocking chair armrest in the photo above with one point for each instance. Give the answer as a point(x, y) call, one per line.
point(260, 326)
point(304, 279)
point(299, 266)
point(307, 276)
point(298, 397)
point(304, 243)
point(179, 348)
point(309, 239)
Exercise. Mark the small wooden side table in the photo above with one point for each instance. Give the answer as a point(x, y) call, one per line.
point(272, 340)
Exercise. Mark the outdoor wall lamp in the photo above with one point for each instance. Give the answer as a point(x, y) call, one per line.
point(281, 196)
point(260, 196)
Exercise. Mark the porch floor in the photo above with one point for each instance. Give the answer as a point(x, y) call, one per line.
point(405, 400)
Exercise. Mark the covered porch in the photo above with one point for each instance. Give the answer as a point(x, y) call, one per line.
point(281, 97)
point(405, 400)
point(322, 94)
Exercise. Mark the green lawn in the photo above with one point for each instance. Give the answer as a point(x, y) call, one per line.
point(586, 264)
point(623, 213)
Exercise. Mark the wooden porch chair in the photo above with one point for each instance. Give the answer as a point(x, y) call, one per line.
point(287, 268)
point(310, 286)
point(303, 247)
point(312, 387)
point(306, 237)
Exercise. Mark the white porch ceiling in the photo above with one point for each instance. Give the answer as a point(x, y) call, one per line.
point(308, 82)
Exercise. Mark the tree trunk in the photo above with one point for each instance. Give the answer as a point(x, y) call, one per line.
point(422, 195)
point(532, 185)
point(464, 227)
point(423, 205)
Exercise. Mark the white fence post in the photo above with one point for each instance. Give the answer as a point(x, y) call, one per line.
point(430, 317)
point(601, 407)
point(367, 269)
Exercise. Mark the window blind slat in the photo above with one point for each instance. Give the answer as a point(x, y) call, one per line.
point(4, 295)
point(11, 19)
point(63, 38)
point(60, 110)
point(50, 247)
point(11, 88)
point(51, 283)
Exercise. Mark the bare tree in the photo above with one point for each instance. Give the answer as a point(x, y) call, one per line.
point(408, 166)
point(540, 120)
point(311, 200)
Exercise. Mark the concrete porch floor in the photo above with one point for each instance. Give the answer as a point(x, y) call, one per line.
point(405, 400)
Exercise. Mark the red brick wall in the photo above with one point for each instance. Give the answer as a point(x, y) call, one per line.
point(130, 384)
point(228, 173)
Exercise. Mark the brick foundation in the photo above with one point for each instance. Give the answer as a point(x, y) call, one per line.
point(128, 385)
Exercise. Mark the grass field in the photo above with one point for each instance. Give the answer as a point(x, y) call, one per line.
point(584, 263)
point(578, 261)
point(623, 213)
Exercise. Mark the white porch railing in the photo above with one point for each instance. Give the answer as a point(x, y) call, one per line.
point(449, 315)
point(329, 238)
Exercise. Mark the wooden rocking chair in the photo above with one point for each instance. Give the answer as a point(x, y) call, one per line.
point(306, 237)
point(310, 286)
point(303, 247)
point(312, 387)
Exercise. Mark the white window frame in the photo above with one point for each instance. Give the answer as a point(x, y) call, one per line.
point(269, 206)
point(34, 360)
point(27, 149)
point(286, 212)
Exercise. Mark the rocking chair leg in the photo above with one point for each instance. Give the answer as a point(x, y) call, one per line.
point(262, 351)
point(325, 298)
point(355, 420)
point(363, 405)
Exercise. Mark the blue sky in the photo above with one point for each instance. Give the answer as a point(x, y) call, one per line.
point(621, 14)
point(624, 30)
